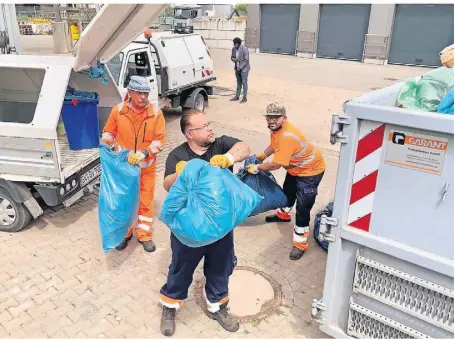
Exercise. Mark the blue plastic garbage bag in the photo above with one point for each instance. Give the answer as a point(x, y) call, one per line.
point(205, 203)
point(317, 224)
point(119, 196)
point(265, 184)
point(446, 104)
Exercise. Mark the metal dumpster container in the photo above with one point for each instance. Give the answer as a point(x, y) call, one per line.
point(390, 269)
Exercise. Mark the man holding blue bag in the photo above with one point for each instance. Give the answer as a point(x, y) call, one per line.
point(139, 127)
point(305, 168)
point(218, 263)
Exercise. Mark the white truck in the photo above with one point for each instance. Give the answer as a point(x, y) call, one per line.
point(37, 167)
point(184, 16)
point(390, 269)
point(179, 68)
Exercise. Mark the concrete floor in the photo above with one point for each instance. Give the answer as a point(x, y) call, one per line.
point(56, 282)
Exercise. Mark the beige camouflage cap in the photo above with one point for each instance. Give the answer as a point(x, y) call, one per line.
point(275, 109)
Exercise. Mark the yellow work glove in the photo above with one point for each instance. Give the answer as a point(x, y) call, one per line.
point(135, 158)
point(222, 160)
point(179, 167)
point(253, 169)
point(261, 156)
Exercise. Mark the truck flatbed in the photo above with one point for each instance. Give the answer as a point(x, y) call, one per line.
point(73, 161)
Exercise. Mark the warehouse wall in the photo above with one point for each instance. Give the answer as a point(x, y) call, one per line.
point(254, 16)
point(220, 33)
point(309, 22)
point(381, 24)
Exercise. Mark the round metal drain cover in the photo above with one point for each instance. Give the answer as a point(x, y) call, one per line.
point(253, 294)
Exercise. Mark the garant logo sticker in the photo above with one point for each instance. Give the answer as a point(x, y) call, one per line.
point(416, 151)
point(398, 138)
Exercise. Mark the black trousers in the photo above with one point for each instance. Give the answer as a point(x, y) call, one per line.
point(218, 266)
point(304, 190)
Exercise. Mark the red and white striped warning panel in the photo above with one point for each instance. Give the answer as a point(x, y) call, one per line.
point(367, 161)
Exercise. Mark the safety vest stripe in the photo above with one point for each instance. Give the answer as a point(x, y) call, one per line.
point(156, 146)
point(108, 135)
point(302, 152)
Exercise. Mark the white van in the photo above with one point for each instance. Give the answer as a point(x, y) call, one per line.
point(177, 66)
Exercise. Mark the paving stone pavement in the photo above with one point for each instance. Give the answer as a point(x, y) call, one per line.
point(56, 281)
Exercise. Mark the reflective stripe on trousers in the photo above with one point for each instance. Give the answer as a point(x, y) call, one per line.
point(300, 237)
point(143, 226)
point(215, 307)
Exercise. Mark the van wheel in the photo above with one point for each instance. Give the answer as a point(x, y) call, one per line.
point(13, 216)
point(199, 103)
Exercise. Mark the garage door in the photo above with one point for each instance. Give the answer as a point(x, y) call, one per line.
point(342, 30)
point(279, 26)
point(420, 32)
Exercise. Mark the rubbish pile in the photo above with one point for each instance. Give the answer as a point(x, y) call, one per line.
point(432, 92)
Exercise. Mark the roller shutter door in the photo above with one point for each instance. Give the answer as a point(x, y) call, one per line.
point(420, 32)
point(279, 26)
point(342, 30)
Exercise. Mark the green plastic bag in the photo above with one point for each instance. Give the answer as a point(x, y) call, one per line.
point(425, 93)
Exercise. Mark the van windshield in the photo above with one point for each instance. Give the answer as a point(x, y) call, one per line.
point(19, 93)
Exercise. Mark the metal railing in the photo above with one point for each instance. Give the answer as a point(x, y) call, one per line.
point(375, 47)
point(305, 42)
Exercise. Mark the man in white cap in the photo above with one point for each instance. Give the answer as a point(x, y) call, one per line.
point(139, 127)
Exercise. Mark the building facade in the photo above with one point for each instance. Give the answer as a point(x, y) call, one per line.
point(373, 33)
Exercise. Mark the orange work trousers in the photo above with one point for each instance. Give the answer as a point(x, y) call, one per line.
point(143, 227)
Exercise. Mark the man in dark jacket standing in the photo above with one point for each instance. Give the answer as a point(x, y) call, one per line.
point(241, 58)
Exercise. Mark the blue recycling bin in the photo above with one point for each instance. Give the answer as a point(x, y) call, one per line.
point(80, 117)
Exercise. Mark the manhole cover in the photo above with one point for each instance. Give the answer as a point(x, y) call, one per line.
point(253, 294)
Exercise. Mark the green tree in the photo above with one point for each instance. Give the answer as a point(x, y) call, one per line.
point(242, 9)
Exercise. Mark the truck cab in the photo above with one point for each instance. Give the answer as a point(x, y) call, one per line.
point(37, 167)
point(183, 18)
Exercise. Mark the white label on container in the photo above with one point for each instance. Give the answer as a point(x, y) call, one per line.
point(416, 151)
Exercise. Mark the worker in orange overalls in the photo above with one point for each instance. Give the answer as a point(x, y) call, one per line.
point(139, 127)
point(305, 168)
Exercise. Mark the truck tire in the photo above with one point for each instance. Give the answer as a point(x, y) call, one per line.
point(199, 102)
point(13, 216)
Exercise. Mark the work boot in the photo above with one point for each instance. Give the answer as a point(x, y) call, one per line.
point(149, 246)
point(234, 99)
point(296, 253)
point(167, 325)
point(276, 218)
point(225, 319)
point(124, 243)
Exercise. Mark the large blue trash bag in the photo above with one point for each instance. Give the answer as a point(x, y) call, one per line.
point(265, 184)
point(317, 224)
point(119, 196)
point(446, 104)
point(205, 203)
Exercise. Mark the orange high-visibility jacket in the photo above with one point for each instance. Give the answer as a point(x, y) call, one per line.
point(145, 130)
